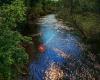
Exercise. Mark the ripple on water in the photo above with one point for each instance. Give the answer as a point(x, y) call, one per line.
point(62, 47)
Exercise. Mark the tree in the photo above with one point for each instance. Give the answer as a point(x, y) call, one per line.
point(11, 52)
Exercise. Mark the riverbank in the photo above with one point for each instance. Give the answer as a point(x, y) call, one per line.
point(84, 16)
point(90, 25)
point(87, 27)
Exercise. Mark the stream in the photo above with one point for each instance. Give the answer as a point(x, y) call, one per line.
point(62, 57)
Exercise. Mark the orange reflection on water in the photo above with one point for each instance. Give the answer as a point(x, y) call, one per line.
point(54, 73)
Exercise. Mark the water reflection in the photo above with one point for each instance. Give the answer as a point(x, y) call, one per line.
point(54, 38)
point(60, 47)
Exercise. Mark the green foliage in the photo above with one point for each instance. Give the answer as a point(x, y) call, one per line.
point(84, 15)
point(11, 52)
point(13, 13)
point(42, 7)
point(49, 6)
point(5, 2)
point(12, 17)
point(37, 9)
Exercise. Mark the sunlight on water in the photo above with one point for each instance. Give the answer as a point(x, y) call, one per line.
point(61, 60)
point(53, 73)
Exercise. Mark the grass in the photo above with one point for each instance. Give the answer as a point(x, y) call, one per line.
point(89, 23)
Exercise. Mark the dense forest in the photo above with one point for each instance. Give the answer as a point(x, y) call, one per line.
point(17, 23)
point(15, 18)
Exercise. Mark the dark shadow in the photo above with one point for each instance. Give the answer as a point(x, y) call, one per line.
point(5, 2)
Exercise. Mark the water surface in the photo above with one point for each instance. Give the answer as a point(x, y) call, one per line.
point(61, 45)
